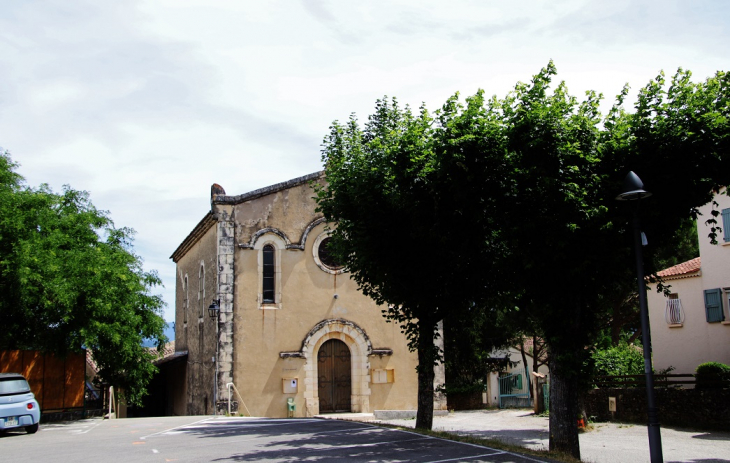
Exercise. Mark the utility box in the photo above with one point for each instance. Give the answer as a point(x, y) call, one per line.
point(382, 375)
point(612, 404)
point(290, 385)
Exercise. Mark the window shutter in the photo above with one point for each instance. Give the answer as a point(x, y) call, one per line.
point(726, 224)
point(713, 305)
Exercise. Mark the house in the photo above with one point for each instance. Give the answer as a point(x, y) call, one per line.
point(514, 387)
point(289, 328)
point(692, 325)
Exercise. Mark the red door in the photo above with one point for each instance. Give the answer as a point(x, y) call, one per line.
point(333, 368)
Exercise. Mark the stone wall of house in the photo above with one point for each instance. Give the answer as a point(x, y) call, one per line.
point(687, 408)
point(194, 330)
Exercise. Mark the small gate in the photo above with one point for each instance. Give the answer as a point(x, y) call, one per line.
point(514, 390)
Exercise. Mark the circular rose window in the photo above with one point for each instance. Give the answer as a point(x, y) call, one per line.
point(323, 256)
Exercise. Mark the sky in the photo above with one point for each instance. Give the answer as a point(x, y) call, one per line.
point(146, 104)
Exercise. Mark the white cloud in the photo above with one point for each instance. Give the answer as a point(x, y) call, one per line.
point(146, 104)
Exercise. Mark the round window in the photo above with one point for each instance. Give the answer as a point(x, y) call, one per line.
point(325, 256)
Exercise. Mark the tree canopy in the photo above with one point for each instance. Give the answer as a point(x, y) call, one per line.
point(509, 204)
point(70, 280)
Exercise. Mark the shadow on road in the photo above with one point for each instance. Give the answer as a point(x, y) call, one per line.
point(327, 440)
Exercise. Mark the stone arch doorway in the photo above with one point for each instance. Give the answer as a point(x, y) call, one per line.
point(334, 380)
point(359, 345)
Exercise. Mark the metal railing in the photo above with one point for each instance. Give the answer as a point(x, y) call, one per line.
point(514, 388)
point(674, 314)
point(229, 386)
point(660, 380)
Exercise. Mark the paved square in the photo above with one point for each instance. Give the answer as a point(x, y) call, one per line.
point(192, 439)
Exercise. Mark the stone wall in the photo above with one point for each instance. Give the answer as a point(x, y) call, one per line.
point(465, 401)
point(687, 408)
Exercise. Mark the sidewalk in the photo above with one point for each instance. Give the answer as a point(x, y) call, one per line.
point(606, 443)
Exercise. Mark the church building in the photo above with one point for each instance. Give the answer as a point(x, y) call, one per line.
point(264, 314)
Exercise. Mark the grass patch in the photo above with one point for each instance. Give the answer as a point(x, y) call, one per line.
point(491, 443)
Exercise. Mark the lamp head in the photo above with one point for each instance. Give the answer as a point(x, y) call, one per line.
point(633, 189)
point(214, 308)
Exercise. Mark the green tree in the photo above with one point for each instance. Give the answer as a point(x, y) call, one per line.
point(70, 280)
point(567, 236)
point(397, 232)
point(470, 345)
point(510, 204)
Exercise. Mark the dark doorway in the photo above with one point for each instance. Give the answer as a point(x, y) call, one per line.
point(333, 368)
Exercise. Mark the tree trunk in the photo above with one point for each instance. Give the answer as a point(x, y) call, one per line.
point(528, 379)
point(563, 407)
point(426, 351)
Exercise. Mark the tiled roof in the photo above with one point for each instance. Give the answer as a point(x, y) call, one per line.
point(167, 350)
point(90, 361)
point(685, 269)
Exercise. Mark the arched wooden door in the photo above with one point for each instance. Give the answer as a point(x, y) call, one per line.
point(334, 382)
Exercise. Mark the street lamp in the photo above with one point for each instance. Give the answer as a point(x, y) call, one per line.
point(214, 308)
point(634, 191)
point(214, 311)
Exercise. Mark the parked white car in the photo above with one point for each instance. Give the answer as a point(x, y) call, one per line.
point(18, 407)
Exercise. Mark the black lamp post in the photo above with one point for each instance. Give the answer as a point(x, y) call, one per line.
point(634, 191)
point(214, 311)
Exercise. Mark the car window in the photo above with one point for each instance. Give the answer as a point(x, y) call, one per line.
point(14, 386)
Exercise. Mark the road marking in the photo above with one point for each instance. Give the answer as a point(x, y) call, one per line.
point(172, 429)
point(138, 443)
point(92, 427)
point(468, 458)
point(476, 445)
point(229, 426)
point(155, 451)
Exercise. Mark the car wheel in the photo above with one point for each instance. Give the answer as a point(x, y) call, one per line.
point(32, 429)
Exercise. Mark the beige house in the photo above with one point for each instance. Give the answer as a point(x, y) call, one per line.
point(292, 326)
point(692, 326)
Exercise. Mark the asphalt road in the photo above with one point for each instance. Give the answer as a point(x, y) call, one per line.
point(194, 439)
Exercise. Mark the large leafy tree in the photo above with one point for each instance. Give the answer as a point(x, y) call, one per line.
point(561, 165)
point(399, 235)
point(70, 279)
point(515, 199)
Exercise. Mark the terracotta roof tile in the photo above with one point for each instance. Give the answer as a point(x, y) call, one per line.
point(167, 350)
point(685, 269)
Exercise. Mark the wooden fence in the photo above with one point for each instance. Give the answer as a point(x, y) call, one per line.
point(58, 383)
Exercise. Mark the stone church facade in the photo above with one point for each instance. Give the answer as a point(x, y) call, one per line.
point(292, 326)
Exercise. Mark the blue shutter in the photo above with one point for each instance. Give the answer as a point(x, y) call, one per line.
point(713, 305)
point(726, 224)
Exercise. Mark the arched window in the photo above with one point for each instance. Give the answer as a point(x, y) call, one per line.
point(201, 291)
point(268, 292)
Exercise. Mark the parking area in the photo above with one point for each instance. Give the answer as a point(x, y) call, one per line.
point(191, 439)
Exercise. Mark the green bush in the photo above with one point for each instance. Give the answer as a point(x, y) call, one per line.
point(711, 374)
point(624, 359)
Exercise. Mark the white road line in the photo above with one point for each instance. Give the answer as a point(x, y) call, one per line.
point(172, 429)
point(155, 451)
point(475, 445)
point(361, 428)
point(266, 420)
point(353, 446)
point(467, 458)
point(92, 427)
point(229, 426)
